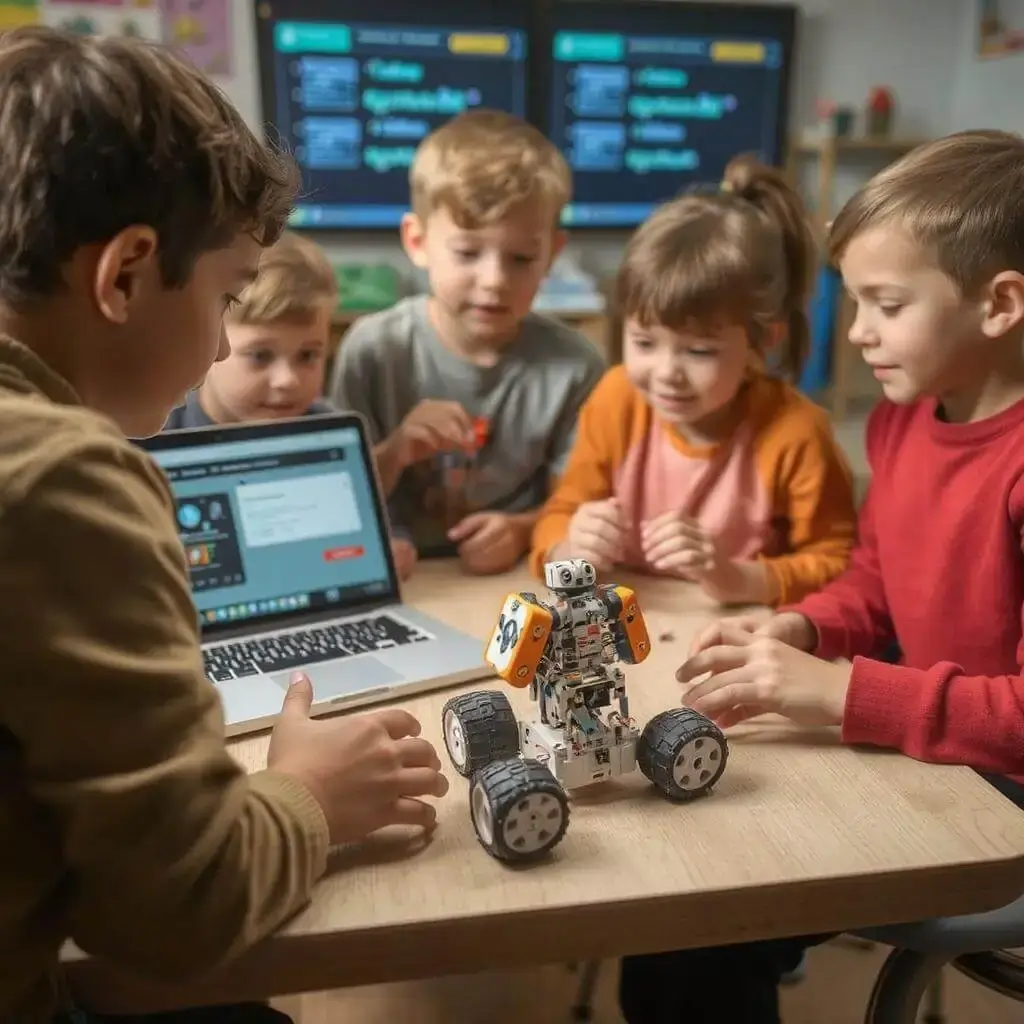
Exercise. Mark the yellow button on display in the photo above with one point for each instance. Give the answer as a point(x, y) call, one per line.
point(492, 44)
point(738, 53)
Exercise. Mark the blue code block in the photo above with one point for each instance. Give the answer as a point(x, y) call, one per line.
point(332, 143)
point(597, 145)
point(328, 83)
point(600, 91)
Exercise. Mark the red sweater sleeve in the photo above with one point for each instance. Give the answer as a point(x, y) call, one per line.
point(938, 714)
point(850, 613)
point(942, 714)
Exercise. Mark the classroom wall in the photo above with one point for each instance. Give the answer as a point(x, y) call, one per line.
point(987, 93)
point(845, 48)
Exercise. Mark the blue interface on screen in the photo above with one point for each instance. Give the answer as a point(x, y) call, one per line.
point(276, 525)
point(642, 117)
point(355, 100)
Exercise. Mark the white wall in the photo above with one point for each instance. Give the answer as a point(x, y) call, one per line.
point(987, 93)
point(845, 47)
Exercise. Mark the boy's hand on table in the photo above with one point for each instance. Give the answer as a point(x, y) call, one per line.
point(596, 533)
point(489, 542)
point(405, 556)
point(790, 627)
point(366, 771)
point(750, 674)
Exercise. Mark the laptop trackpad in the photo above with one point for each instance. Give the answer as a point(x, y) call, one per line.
point(344, 678)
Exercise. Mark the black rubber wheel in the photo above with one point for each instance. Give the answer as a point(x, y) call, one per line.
point(682, 753)
point(519, 810)
point(478, 728)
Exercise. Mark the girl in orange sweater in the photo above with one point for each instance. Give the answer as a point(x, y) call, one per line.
point(690, 459)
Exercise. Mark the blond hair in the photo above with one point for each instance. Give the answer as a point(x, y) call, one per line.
point(959, 197)
point(745, 254)
point(482, 164)
point(295, 282)
point(104, 132)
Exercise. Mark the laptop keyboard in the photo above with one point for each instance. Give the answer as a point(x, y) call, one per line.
point(308, 646)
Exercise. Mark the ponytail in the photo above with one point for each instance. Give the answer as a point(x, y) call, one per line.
point(768, 190)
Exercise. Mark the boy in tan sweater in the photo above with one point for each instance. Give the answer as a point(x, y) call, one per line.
point(136, 204)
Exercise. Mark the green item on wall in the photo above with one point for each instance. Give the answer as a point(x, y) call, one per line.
point(364, 287)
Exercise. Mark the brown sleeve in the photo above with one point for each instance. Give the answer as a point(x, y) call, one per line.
point(175, 858)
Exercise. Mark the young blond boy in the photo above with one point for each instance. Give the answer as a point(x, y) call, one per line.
point(932, 251)
point(279, 333)
point(136, 203)
point(472, 397)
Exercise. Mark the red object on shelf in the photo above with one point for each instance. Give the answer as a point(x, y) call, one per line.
point(880, 100)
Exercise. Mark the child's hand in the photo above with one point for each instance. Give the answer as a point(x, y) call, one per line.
point(676, 544)
point(597, 533)
point(404, 553)
point(366, 772)
point(750, 675)
point(433, 426)
point(489, 542)
point(790, 627)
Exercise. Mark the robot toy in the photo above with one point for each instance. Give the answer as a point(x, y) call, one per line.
point(566, 651)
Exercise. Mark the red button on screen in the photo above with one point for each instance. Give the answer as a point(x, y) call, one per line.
point(343, 553)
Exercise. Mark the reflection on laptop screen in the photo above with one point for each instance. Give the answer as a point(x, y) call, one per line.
point(277, 524)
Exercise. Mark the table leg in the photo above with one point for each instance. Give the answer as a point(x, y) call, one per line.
point(901, 984)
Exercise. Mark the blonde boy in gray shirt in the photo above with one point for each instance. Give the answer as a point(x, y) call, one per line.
point(472, 398)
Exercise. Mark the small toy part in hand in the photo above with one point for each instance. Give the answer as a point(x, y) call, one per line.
point(749, 675)
point(790, 627)
point(488, 542)
point(404, 553)
point(597, 533)
point(434, 426)
point(366, 772)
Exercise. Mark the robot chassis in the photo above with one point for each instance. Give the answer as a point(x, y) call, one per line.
point(566, 651)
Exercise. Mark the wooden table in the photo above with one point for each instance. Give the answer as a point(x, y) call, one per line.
point(802, 835)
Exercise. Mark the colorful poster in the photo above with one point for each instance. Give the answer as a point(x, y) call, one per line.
point(18, 12)
point(105, 17)
point(201, 29)
point(1000, 28)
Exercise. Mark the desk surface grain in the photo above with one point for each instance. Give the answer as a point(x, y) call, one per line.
point(802, 835)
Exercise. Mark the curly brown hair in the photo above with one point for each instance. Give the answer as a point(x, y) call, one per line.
point(102, 133)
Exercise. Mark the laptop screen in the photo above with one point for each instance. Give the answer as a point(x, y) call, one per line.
point(277, 519)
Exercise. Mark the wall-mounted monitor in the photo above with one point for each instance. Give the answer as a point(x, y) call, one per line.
point(648, 97)
point(353, 87)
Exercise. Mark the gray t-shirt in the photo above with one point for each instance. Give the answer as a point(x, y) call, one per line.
point(392, 360)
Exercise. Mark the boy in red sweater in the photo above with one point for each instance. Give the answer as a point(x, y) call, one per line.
point(932, 250)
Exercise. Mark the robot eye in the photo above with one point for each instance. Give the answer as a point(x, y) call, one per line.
point(566, 576)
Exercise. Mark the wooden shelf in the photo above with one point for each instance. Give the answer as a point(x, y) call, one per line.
point(865, 144)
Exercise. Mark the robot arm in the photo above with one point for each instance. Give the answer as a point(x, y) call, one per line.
point(625, 623)
point(520, 639)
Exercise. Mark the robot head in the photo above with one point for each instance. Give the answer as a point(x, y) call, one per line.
point(569, 576)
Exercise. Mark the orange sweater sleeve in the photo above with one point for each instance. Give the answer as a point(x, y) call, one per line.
point(802, 465)
point(608, 421)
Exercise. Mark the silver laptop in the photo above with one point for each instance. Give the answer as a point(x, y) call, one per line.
point(287, 544)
